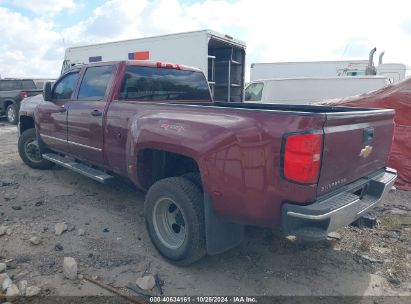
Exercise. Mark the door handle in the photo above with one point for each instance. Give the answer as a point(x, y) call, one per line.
point(62, 109)
point(96, 113)
point(368, 135)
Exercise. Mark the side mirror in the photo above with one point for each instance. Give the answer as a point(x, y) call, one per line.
point(47, 91)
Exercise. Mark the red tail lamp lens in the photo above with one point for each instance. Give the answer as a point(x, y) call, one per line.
point(302, 157)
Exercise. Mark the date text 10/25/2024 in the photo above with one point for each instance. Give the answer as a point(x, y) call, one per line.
point(203, 299)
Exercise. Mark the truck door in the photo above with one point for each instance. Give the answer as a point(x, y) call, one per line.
point(86, 114)
point(52, 115)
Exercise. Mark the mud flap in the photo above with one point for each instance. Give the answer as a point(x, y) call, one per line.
point(221, 235)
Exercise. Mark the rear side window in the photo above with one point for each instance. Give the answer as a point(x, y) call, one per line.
point(28, 85)
point(10, 85)
point(254, 91)
point(94, 83)
point(65, 87)
point(145, 83)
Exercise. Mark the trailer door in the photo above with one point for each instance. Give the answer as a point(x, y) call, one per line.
point(226, 68)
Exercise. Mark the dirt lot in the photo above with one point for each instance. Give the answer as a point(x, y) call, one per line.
point(117, 249)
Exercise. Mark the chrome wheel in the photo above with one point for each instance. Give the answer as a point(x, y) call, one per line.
point(169, 223)
point(11, 114)
point(32, 151)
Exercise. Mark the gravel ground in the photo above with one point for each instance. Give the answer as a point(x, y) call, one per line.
point(116, 249)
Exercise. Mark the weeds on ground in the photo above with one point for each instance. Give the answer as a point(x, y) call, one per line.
point(390, 222)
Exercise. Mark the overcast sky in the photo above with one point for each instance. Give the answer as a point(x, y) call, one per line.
point(34, 33)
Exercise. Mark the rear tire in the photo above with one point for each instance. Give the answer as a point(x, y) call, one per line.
point(30, 152)
point(12, 115)
point(174, 215)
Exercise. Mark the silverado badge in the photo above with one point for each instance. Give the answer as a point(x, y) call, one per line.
point(366, 151)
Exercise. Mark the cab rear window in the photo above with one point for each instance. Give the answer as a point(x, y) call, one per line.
point(146, 83)
point(28, 85)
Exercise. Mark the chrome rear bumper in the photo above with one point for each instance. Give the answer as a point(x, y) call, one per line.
point(315, 221)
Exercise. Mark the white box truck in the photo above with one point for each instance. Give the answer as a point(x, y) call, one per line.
point(219, 56)
point(395, 72)
point(307, 69)
point(305, 90)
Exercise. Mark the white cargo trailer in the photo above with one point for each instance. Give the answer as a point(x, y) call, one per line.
point(219, 56)
point(307, 69)
point(305, 90)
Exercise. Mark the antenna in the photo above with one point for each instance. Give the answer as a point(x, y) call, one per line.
point(62, 40)
point(345, 50)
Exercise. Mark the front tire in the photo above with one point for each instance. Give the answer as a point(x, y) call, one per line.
point(12, 115)
point(30, 152)
point(174, 215)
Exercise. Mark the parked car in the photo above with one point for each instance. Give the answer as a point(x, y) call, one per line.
point(12, 91)
point(210, 168)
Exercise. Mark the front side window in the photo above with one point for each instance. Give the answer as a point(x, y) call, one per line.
point(146, 83)
point(65, 87)
point(254, 91)
point(94, 83)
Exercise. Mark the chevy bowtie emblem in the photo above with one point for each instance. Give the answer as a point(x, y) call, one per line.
point(366, 151)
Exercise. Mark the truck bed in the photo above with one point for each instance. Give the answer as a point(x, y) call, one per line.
point(299, 109)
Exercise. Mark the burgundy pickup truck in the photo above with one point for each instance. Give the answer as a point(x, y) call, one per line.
point(210, 168)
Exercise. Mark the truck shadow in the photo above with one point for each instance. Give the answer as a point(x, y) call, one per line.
point(267, 263)
point(319, 268)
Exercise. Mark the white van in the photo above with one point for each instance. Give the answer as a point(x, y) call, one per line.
point(304, 90)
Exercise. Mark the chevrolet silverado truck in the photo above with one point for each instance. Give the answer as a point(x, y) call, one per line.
point(210, 168)
point(12, 92)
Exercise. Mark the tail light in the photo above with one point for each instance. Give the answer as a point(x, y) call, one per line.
point(23, 94)
point(302, 157)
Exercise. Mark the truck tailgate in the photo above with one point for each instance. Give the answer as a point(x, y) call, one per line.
point(355, 145)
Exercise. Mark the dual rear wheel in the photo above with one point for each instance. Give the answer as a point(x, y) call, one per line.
point(174, 216)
